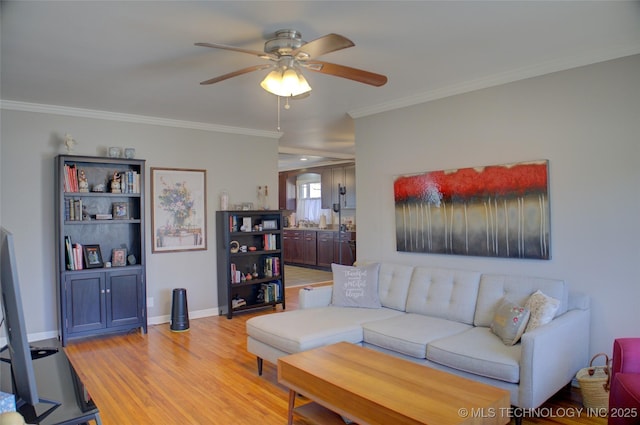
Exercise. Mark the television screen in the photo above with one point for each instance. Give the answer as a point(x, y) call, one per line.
point(14, 325)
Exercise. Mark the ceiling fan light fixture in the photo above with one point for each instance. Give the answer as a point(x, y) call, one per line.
point(271, 82)
point(290, 81)
point(285, 82)
point(303, 85)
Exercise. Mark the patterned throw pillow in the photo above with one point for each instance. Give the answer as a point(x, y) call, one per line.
point(355, 286)
point(542, 307)
point(509, 321)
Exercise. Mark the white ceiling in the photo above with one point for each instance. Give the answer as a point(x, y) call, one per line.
point(139, 57)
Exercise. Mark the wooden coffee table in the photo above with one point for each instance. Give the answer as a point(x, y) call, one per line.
point(370, 387)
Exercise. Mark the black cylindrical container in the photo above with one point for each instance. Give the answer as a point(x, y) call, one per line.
point(179, 311)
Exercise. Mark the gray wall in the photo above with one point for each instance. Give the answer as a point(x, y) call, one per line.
point(585, 121)
point(30, 141)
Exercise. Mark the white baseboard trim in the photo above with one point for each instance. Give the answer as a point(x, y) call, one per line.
point(197, 314)
point(156, 320)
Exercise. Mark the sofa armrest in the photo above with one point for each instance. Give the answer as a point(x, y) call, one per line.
point(315, 296)
point(551, 356)
point(626, 355)
point(578, 300)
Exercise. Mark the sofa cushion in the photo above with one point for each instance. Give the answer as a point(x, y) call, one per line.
point(448, 294)
point(478, 351)
point(299, 330)
point(355, 286)
point(410, 333)
point(542, 308)
point(393, 282)
point(518, 289)
point(509, 321)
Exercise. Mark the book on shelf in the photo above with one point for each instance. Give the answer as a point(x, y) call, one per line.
point(238, 302)
point(233, 223)
point(272, 291)
point(67, 211)
point(73, 254)
point(69, 253)
point(73, 210)
point(76, 254)
point(70, 178)
point(272, 266)
point(269, 242)
point(130, 182)
point(234, 276)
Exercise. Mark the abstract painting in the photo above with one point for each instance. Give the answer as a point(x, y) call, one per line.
point(490, 211)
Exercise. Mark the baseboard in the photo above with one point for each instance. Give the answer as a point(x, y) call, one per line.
point(197, 314)
point(156, 320)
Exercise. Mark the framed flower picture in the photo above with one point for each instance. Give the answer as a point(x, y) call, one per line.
point(178, 209)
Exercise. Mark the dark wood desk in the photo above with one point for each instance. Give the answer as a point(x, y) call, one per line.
point(56, 381)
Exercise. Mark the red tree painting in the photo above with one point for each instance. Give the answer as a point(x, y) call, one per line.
point(497, 211)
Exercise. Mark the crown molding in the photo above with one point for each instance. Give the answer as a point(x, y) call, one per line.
point(313, 152)
point(498, 79)
point(138, 119)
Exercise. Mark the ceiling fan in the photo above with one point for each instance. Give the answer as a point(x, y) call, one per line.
point(289, 54)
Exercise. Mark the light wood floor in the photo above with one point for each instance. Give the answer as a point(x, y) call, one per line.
point(205, 376)
point(300, 276)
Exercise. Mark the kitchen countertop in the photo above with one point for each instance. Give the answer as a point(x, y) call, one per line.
point(317, 229)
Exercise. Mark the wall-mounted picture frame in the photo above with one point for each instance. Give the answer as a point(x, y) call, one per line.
point(92, 256)
point(120, 211)
point(118, 257)
point(178, 209)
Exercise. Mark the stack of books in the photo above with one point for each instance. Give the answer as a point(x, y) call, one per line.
point(74, 254)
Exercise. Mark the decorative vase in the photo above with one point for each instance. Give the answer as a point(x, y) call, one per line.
point(180, 220)
point(224, 201)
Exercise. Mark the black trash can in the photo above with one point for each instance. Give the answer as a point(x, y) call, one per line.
point(179, 311)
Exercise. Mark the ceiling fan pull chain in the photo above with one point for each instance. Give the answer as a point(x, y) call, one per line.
point(278, 112)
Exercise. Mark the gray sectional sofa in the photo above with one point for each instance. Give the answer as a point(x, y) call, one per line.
point(441, 318)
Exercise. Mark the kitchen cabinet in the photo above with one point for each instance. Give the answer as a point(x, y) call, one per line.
point(350, 184)
point(324, 248)
point(344, 176)
point(287, 191)
point(319, 248)
point(344, 243)
point(309, 248)
point(293, 246)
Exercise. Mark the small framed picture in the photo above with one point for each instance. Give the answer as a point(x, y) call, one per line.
point(92, 256)
point(269, 224)
point(119, 257)
point(246, 224)
point(120, 211)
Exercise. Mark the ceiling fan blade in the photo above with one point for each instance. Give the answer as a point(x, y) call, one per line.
point(238, 49)
point(236, 73)
point(321, 46)
point(354, 74)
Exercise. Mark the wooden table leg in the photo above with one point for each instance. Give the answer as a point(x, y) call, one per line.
point(292, 405)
